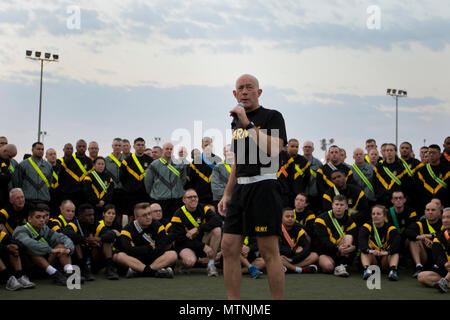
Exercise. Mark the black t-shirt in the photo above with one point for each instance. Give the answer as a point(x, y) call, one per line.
point(250, 160)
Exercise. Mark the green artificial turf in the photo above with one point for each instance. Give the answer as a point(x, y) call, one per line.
point(197, 286)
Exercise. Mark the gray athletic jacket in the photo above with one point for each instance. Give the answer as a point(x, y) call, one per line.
point(31, 183)
point(114, 169)
point(161, 183)
point(219, 180)
point(38, 247)
point(367, 171)
point(311, 189)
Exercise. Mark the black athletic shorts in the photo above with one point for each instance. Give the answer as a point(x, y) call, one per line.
point(193, 244)
point(149, 258)
point(441, 271)
point(255, 209)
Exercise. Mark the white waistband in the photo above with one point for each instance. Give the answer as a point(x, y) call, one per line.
point(247, 180)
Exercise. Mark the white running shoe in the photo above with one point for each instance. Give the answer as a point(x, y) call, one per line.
point(341, 271)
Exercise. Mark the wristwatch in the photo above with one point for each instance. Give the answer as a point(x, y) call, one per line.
point(250, 125)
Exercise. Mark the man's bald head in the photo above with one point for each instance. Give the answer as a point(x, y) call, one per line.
point(50, 155)
point(167, 150)
point(248, 77)
point(81, 147)
point(156, 211)
point(247, 92)
point(8, 151)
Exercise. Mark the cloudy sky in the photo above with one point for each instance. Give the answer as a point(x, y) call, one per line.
point(167, 69)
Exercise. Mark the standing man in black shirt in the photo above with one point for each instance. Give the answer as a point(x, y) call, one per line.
point(199, 172)
point(252, 203)
point(73, 171)
point(132, 174)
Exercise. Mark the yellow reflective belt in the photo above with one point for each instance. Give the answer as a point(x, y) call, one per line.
point(363, 177)
point(138, 164)
point(63, 220)
point(392, 176)
point(227, 166)
point(189, 216)
point(55, 176)
point(100, 181)
point(79, 164)
point(430, 228)
point(435, 178)
point(299, 172)
point(170, 167)
point(336, 191)
point(313, 173)
point(39, 172)
point(35, 234)
point(336, 224)
point(115, 160)
point(377, 237)
point(11, 168)
point(408, 169)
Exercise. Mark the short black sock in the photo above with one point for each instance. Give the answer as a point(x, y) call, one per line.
point(108, 262)
point(18, 274)
point(4, 275)
point(149, 272)
point(393, 268)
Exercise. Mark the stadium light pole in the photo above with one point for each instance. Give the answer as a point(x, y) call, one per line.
point(49, 57)
point(396, 94)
